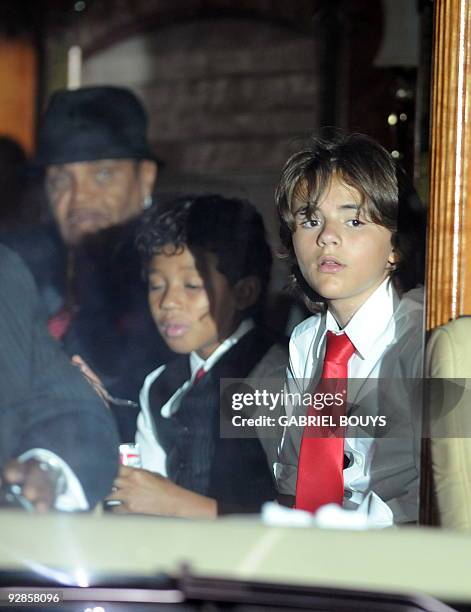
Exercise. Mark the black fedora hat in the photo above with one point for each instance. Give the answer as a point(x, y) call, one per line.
point(93, 123)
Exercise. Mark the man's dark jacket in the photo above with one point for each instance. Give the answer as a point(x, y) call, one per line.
point(44, 401)
point(112, 329)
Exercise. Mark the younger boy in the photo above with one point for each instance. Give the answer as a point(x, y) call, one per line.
point(208, 265)
point(354, 233)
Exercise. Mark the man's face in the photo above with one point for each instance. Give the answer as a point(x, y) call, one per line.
point(86, 197)
point(342, 254)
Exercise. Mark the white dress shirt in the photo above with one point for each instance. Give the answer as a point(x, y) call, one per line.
point(153, 456)
point(387, 333)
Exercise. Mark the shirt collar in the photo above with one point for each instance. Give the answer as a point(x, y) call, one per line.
point(197, 362)
point(370, 321)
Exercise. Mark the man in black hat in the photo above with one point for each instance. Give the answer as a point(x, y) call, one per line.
point(100, 170)
point(99, 173)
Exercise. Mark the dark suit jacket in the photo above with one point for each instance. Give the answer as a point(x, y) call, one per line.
point(44, 401)
point(231, 469)
point(113, 329)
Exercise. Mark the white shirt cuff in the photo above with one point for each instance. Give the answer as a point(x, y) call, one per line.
point(73, 498)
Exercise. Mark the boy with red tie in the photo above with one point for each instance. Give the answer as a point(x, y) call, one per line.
point(353, 228)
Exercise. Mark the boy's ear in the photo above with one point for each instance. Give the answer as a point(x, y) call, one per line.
point(246, 292)
point(393, 260)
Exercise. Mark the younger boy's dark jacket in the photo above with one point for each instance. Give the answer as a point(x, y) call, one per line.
point(234, 471)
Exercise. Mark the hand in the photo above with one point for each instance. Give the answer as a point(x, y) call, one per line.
point(144, 492)
point(91, 377)
point(37, 480)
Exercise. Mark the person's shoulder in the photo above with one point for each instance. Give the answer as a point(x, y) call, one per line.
point(273, 341)
point(164, 380)
point(308, 327)
point(18, 293)
point(260, 344)
point(178, 365)
point(8, 257)
point(273, 363)
point(260, 333)
point(410, 311)
point(43, 234)
point(13, 270)
point(39, 246)
point(413, 299)
point(405, 355)
point(152, 376)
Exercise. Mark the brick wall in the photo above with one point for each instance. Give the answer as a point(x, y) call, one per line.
point(226, 97)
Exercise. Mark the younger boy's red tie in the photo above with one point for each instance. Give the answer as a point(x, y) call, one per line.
point(199, 375)
point(320, 467)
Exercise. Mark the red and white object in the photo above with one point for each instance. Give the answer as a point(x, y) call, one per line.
point(129, 455)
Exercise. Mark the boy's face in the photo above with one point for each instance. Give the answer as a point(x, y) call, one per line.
point(342, 255)
point(191, 314)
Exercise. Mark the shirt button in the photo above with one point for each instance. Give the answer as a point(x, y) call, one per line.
point(359, 461)
point(181, 465)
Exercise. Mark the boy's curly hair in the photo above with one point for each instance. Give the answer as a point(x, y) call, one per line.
point(230, 228)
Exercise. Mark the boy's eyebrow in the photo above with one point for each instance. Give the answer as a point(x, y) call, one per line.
point(304, 208)
point(350, 207)
point(158, 271)
point(301, 210)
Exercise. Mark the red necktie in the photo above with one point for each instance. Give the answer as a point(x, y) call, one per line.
point(320, 467)
point(59, 324)
point(199, 375)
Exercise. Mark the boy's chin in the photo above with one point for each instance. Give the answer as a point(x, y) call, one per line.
point(185, 345)
point(179, 348)
point(328, 292)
